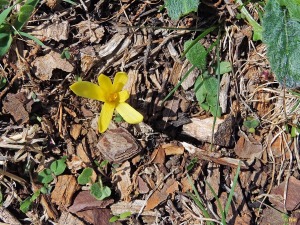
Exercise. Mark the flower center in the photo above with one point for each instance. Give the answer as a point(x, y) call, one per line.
point(113, 97)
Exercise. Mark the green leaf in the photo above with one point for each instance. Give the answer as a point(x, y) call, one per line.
point(114, 219)
point(196, 55)
point(225, 67)
point(250, 122)
point(211, 100)
point(58, 166)
point(3, 82)
point(5, 44)
point(200, 90)
point(215, 111)
point(125, 215)
point(179, 8)
point(204, 106)
point(25, 205)
point(32, 38)
point(25, 13)
point(35, 195)
point(211, 85)
point(293, 7)
point(85, 176)
point(45, 176)
point(99, 192)
point(4, 14)
point(281, 34)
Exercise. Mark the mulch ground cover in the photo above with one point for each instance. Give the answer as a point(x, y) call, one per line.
point(179, 165)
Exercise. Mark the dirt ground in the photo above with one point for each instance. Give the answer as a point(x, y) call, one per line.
point(179, 165)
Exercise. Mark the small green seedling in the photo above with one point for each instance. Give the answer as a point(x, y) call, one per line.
point(295, 130)
point(250, 123)
point(121, 216)
point(27, 203)
point(118, 118)
point(11, 24)
point(99, 191)
point(85, 176)
point(102, 165)
point(191, 165)
point(65, 54)
point(56, 168)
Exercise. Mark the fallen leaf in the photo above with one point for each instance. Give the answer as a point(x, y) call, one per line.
point(15, 104)
point(75, 130)
point(45, 65)
point(143, 187)
point(248, 148)
point(292, 201)
point(158, 156)
point(84, 200)
point(56, 31)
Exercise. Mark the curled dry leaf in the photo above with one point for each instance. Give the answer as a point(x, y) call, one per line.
point(45, 65)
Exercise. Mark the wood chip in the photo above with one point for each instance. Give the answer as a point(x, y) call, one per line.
point(122, 176)
point(75, 130)
point(64, 190)
point(67, 218)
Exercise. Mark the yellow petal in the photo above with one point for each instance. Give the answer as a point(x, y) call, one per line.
point(129, 114)
point(105, 83)
point(123, 96)
point(119, 81)
point(105, 116)
point(88, 90)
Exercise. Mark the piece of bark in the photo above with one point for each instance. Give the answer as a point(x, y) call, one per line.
point(201, 129)
point(64, 190)
point(118, 145)
point(75, 130)
point(7, 217)
point(134, 207)
point(122, 176)
point(67, 218)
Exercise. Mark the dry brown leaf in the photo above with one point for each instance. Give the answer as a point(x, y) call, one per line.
point(143, 187)
point(292, 201)
point(158, 156)
point(45, 65)
point(89, 31)
point(57, 31)
point(15, 104)
point(248, 148)
point(84, 200)
point(186, 185)
point(64, 190)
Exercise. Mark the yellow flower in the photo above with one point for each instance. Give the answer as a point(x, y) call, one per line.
point(113, 97)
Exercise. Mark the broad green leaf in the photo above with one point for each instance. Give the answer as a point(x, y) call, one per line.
point(85, 176)
point(200, 90)
point(4, 14)
point(211, 85)
point(5, 44)
point(204, 106)
point(293, 6)
point(45, 176)
point(25, 13)
point(213, 110)
point(179, 8)
point(3, 3)
point(225, 67)
point(281, 34)
point(58, 166)
point(100, 192)
point(196, 55)
point(211, 100)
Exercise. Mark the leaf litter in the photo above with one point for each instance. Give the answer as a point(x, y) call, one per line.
point(146, 166)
